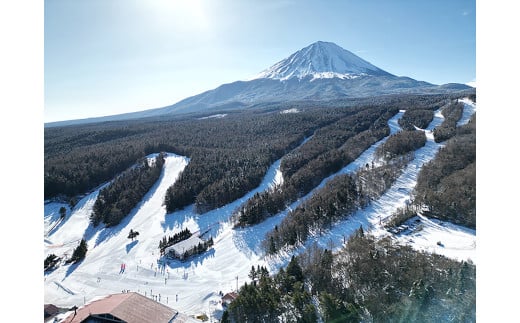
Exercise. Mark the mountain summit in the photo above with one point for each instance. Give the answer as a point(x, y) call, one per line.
point(321, 60)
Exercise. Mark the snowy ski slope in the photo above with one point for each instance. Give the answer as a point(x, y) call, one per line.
point(192, 287)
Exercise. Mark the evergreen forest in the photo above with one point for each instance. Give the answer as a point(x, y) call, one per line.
point(368, 279)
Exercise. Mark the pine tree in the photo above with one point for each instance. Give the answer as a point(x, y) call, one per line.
point(132, 234)
point(225, 317)
point(63, 212)
point(252, 273)
point(80, 252)
point(272, 245)
point(294, 269)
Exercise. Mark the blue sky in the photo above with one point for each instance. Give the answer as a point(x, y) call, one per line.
point(104, 57)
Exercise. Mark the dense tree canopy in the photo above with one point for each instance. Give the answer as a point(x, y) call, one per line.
point(228, 156)
point(401, 143)
point(368, 280)
point(310, 163)
point(416, 118)
point(452, 113)
point(447, 184)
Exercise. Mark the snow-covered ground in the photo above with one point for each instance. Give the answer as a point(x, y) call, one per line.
point(192, 287)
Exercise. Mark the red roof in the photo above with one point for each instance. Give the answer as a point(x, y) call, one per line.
point(130, 307)
point(229, 297)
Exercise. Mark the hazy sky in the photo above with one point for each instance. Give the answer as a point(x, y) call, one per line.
point(104, 57)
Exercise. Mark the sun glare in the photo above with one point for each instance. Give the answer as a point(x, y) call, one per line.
point(181, 14)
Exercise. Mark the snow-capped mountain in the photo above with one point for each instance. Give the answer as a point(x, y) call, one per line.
point(321, 60)
point(322, 71)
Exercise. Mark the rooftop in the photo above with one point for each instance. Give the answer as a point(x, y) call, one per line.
point(180, 247)
point(129, 307)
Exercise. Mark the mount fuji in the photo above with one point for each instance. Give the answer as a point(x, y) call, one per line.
point(322, 71)
point(321, 60)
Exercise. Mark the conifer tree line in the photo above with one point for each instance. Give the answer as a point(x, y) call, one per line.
point(452, 114)
point(419, 118)
point(401, 143)
point(198, 249)
point(171, 240)
point(420, 111)
point(115, 201)
point(400, 216)
point(79, 252)
point(367, 280)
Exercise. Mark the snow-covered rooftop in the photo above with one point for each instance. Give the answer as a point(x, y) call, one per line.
point(180, 247)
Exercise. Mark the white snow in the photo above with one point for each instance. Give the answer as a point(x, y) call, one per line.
point(192, 287)
point(320, 60)
point(293, 110)
point(469, 109)
point(214, 116)
point(440, 237)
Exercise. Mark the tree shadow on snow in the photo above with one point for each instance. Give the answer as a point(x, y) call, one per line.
point(52, 211)
point(130, 245)
point(105, 233)
point(249, 239)
point(186, 264)
point(155, 186)
point(71, 269)
point(177, 220)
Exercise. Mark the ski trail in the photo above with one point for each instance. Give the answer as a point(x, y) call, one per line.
point(469, 108)
point(366, 157)
point(398, 195)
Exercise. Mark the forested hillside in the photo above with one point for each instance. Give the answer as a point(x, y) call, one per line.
point(344, 194)
point(325, 153)
point(229, 155)
point(236, 149)
point(368, 280)
point(447, 185)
